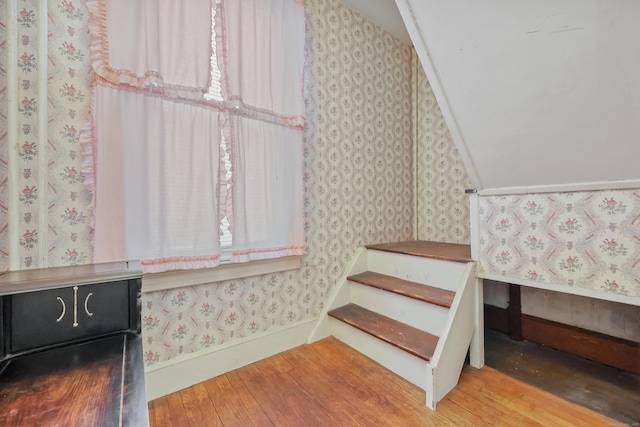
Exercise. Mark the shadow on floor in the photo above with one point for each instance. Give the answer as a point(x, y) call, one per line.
point(606, 390)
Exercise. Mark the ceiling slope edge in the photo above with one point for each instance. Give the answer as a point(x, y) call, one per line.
point(535, 101)
point(406, 12)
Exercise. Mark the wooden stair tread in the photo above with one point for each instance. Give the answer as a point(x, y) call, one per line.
point(414, 341)
point(422, 248)
point(426, 293)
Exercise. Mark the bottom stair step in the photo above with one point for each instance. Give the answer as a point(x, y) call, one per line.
point(419, 343)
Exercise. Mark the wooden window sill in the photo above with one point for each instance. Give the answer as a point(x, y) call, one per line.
point(225, 271)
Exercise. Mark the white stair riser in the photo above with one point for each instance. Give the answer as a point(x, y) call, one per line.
point(433, 272)
point(421, 315)
point(409, 367)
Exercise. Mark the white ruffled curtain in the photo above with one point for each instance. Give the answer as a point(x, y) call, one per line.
point(262, 60)
point(153, 158)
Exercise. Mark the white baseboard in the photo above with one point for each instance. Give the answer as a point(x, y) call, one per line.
point(176, 374)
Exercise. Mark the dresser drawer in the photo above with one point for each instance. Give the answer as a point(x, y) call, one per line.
point(66, 314)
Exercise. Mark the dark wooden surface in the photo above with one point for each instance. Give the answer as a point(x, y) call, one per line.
point(37, 279)
point(36, 319)
point(426, 293)
point(80, 385)
point(419, 343)
point(437, 250)
point(496, 318)
point(612, 351)
point(514, 309)
point(601, 348)
point(607, 390)
point(134, 399)
point(328, 383)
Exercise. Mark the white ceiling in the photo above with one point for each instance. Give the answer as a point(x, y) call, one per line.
point(383, 13)
point(538, 95)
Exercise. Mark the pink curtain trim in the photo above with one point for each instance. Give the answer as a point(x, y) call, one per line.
point(99, 54)
point(237, 107)
point(258, 254)
point(162, 93)
point(234, 104)
point(88, 167)
point(179, 263)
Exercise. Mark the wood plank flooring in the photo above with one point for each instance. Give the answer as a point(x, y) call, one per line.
point(329, 384)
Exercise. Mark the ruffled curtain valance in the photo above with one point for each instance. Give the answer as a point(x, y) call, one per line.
point(164, 44)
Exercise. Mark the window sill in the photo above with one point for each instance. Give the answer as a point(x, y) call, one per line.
point(225, 271)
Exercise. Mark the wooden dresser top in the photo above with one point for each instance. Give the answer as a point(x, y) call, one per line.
point(19, 281)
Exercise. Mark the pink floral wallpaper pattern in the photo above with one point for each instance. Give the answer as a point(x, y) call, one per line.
point(69, 91)
point(4, 145)
point(588, 240)
point(66, 236)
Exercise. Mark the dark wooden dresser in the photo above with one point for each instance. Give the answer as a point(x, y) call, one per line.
point(71, 352)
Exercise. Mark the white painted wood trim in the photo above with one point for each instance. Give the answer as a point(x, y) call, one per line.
point(227, 271)
point(448, 358)
point(430, 392)
point(176, 374)
point(563, 288)
point(476, 349)
point(12, 134)
point(340, 295)
point(400, 362)
point(474, 225)
point(420, 45)
point(563, 188)
point(463, 289)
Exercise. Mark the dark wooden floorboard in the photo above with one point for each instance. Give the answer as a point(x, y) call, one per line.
point(328, 383)
point(425, 293)
point(437, 250)
point(412, 340)
point(611, 391)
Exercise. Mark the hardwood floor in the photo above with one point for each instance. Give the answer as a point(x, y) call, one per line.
point(329, 384)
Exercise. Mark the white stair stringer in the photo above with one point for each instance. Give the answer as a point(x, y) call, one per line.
point(398, 361)
point(453, 326)
point(448, 358)
point(339, 296)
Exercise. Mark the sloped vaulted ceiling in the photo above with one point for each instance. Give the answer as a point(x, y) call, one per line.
point(540, 95)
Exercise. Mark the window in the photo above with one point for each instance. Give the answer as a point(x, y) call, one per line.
point(171, 161)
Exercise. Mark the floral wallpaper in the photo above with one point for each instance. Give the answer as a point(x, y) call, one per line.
point(443, 205)
point(27, 145)
point(69, 93)
point(65, 239)
point(4, 154)
point(588, 240)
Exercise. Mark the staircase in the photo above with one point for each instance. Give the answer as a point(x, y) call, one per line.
point(410, 306)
